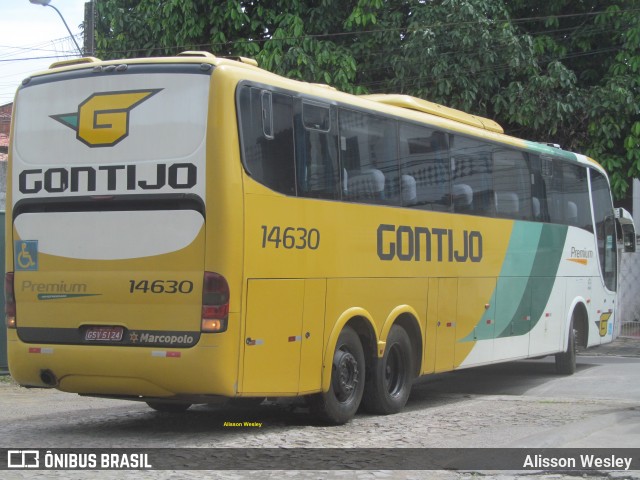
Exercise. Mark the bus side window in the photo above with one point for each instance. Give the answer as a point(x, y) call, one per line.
point(552, 176)
point(472, 185)
point(540, 210)
point(267, 146)
point(605, 228)
point(318, 174)
point(424, 166)
point(576, 200)
point(368, 154)
point(511, 185)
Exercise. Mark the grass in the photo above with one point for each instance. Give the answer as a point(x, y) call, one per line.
point(6, 379)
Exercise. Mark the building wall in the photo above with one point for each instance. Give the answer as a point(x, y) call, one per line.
point(5, 118)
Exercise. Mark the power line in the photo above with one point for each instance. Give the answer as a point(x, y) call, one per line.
point(404, 30)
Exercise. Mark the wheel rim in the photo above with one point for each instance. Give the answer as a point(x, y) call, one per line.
point(345, 375)
point(394, 371)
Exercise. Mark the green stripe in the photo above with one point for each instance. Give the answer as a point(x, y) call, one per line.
point(59, 296)
point(544, 149)
point(546, 267)
point(525, 282)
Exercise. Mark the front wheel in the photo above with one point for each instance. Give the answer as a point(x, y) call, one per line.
point(566, 361)
point(341, 402)
point(389, 384)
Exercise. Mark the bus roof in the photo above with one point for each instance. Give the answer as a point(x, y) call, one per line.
point(413, 103)
point(456, 119)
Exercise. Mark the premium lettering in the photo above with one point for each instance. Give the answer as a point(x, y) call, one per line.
point(59, 287)
point(581, 253)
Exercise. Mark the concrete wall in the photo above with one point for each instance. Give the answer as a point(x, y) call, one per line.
point(628, 323)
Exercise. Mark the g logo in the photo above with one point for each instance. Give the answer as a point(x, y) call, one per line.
point(102, 120)
point(604, 321)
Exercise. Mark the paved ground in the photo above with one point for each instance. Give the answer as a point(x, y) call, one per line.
point(621, 346)
point(524, 405)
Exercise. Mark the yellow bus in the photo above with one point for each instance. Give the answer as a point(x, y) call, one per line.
point(189, 228)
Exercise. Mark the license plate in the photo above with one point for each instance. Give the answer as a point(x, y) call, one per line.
point(103, 334)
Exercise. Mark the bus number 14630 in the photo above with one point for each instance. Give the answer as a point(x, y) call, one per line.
point(160, 286)
point(290, 237)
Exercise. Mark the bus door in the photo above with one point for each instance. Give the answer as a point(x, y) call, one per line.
point(446, 324)
point(283, 336)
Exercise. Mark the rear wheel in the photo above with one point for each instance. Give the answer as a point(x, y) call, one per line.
point(566, 361)
point(168, 407)
point(341, 402)
point(388, 386)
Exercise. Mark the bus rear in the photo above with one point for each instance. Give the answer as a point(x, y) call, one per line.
point(106, 230)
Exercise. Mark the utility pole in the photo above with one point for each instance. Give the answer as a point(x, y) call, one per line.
point(90, 28)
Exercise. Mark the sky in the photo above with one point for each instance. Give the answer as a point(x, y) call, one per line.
point(30, 32)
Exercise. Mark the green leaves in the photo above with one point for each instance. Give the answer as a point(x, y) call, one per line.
point(560, 71)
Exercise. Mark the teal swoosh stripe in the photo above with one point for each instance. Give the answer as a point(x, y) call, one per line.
point(58, 296)
point(518, 264)
point(539, 283)
point(67, 119)
point(546, 265)
point(525, 282)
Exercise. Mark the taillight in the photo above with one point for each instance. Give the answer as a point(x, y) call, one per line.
point(9, 300)
point(215, 302)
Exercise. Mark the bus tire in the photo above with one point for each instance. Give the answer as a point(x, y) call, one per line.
point(389, 383)
point(566, 361)
point(339, 405)
point(167, 407)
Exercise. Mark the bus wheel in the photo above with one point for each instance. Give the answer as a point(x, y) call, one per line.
point(388, 387)
point(566, 361)
point(340, 403)
point(169, 407)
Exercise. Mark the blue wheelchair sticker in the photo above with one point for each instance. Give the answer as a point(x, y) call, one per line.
point(26, 255)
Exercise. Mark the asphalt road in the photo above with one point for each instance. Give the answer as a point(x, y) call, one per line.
point(520, 404)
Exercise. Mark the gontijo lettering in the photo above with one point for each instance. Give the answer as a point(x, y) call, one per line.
point(407, 243)
point(177, 176)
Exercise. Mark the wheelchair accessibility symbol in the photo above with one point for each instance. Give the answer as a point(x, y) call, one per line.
point(26, 255)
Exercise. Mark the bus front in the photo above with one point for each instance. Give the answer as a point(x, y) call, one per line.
point(107, 291)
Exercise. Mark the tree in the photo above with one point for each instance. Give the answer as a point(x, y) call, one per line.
point(290, 37)
point(560, 71)
point(599, 42)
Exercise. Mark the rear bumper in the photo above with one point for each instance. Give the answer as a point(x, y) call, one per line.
point(209, 368)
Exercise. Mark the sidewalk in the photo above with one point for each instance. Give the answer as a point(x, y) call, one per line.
point(621, 346)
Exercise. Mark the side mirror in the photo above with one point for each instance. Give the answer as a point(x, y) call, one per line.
point(629, 238)
point(626, 230)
